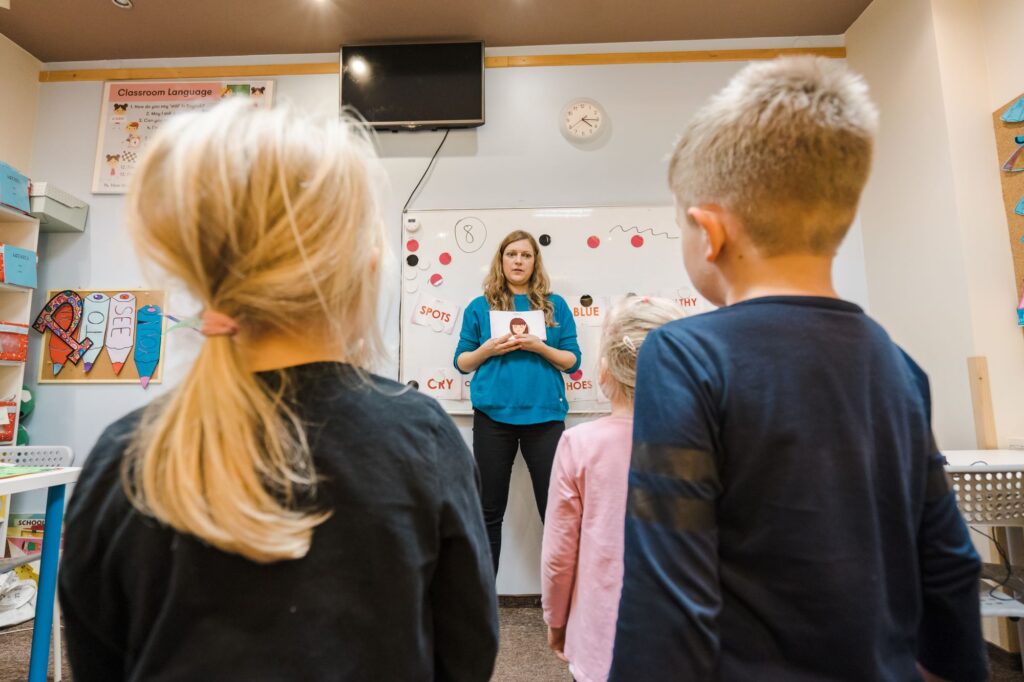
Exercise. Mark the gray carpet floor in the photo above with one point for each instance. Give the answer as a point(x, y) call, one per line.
point(524, 655)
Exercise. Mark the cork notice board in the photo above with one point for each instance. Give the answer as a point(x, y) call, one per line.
point(1011, 163)
point(99, 321)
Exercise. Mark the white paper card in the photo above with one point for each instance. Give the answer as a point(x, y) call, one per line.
point(580, 385)
point(443, 383)
point(518, 322)
point(435, 313)
point(588, 310)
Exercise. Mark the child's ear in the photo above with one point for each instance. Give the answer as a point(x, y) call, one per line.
point(710, 220)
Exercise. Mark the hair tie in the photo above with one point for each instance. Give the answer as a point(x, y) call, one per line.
point(628, 342)
point(217, 324)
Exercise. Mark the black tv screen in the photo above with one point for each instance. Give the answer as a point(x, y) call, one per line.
point(439, 85)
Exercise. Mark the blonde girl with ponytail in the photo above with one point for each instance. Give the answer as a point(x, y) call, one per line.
point(283, 512)
point(581, 557)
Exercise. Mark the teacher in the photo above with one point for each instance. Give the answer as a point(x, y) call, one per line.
point(518, 393)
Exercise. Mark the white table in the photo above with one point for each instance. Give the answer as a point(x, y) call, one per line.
point(54, 482)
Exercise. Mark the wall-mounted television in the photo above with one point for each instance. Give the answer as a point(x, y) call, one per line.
point(422, 85)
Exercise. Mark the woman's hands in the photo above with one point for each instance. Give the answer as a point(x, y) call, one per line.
point(470, 360)
point(561, 359)
point(500, 345)
point(531, 343)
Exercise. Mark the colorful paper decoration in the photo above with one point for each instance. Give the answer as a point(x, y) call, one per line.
point(61, 315)
point(120, 329)
point(1015, 114)
point(147, 342)
point(94, 326)
point(1011, 163)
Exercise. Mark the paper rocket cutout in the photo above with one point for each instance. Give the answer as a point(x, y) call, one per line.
point(94, 326)
point(61, 315)
point(1015, 114)
point(147, 342)
point(120, 329)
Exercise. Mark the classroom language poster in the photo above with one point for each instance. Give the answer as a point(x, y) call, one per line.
point(134, 110)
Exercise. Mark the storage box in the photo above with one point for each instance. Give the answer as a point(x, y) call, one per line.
point(17, 266)
point(8, 417)
point(13, 188)
point(13, 341)
point(57, 210)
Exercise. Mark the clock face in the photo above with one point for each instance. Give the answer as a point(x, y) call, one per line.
point(582, 120)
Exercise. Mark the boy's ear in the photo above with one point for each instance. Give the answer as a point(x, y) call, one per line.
point(711, 222)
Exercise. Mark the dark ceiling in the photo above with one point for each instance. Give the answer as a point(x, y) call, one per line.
point(73, 30)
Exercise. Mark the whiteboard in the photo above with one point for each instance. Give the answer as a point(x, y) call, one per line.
point(593, 255)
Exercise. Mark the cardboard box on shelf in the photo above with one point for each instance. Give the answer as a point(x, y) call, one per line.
point(13, 341)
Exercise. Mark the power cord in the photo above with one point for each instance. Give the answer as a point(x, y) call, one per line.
point(1006, 562)
point(429, 166)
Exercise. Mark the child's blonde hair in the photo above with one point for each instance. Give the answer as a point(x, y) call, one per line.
point(269, 217)
point(625, 329)
point(786, 146)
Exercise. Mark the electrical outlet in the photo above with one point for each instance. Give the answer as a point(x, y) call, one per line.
point(1017, 443)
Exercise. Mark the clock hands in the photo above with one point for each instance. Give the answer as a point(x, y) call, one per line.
point(586, 120)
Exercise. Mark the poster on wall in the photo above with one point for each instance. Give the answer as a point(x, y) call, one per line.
point(133, 110)
point(102, 336)
point(1008, 122)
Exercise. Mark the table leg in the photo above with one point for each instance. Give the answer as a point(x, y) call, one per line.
point(40, 658)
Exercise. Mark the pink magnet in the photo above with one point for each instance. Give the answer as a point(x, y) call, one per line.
point(577, 375)
point(445, 258)
point(637, 241)
point(412, 245)
point(436, 280)
point(593, 242)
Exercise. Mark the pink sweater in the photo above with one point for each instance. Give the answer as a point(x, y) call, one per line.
point(581, 562)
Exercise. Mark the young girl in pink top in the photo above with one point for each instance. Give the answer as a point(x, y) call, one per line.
point(581, 561)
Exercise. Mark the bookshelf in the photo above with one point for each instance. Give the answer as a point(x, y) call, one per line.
point(22, 230)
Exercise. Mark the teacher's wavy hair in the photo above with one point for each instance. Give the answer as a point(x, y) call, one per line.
point(270, 218)
point(500, 297)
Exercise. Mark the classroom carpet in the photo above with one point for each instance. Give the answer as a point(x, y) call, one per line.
point(524, 655)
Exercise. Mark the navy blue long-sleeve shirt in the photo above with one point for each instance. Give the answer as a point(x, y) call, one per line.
point(788, 516)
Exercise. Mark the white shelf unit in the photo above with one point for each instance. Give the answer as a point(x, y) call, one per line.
point(21, 230)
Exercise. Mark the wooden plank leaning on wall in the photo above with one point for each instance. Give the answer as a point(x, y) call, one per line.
point(1006, 635)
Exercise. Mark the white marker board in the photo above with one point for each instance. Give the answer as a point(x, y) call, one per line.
point(600, 252)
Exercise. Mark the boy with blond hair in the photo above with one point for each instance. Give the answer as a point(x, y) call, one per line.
point(788, 514)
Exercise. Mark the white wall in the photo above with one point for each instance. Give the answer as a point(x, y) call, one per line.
point(933, 220)
point(912, 242)
point(19, 94)
point(518, 158)
point(934, 226)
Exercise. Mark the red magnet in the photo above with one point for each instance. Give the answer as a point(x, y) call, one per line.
point(412, 245)
point(593, 242)
point(436, 280)
point(637, 241)
point(445, 258)
point(577, 375)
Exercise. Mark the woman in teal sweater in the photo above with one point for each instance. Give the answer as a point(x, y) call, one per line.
point(518, 391)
